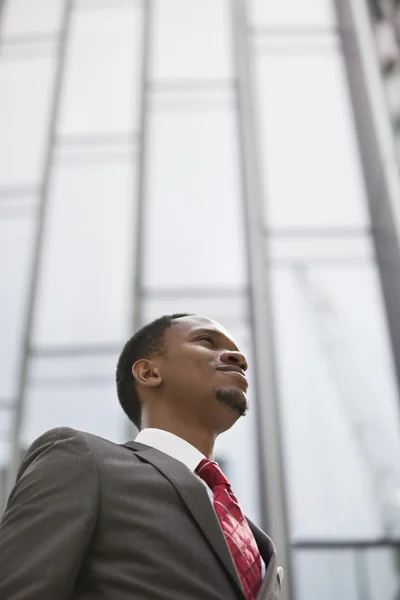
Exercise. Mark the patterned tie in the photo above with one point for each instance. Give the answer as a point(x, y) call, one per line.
point(239, 537)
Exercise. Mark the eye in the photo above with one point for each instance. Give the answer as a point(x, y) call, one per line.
point(206, 338)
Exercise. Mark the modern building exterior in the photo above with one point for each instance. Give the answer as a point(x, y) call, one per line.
point(238, 159)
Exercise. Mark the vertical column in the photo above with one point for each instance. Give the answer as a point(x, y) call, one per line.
point(137, 287)
point(37, 252)
point(274, 509)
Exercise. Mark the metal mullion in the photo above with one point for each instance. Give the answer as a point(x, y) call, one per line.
point(139, 199)
point(37, 251)
point(269, 429)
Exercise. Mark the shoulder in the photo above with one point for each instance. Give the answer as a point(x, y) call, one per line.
point(64, 444)
point(67, 437)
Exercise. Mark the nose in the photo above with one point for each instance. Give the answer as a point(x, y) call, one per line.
point(235, 358)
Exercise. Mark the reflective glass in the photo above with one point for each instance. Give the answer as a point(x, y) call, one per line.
point(16, 241)
point(191, 40)
point(25, 98)
point(228, 308)
point(86, 277)
point(322, 246)
point(88, 408)
point(103, 65)
point(292, 13)
point(25, 18)
point(350, 574)
point(193, 215)
point(5, 420)
point(382, 572)
point(327, 574)
point(71, 367)
point(308, 131)
point(339, 402)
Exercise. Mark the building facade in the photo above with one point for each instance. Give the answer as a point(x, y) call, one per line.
point(235, 159)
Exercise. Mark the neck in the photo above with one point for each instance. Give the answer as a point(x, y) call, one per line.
point(198, 437)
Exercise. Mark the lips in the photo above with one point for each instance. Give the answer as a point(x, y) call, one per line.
point(232, 369)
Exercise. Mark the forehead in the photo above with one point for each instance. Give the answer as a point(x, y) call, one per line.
point(187, 326)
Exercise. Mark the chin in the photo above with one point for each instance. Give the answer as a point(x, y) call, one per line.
point(234, 398)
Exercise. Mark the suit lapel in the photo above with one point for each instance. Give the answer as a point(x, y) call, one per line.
point(195, 496)
point(270, 587)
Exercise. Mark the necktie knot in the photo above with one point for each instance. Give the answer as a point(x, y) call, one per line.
point(210, 472)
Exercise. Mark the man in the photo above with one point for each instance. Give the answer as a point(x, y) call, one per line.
point(153, 519)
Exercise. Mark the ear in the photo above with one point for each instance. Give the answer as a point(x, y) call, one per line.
point(146, 373)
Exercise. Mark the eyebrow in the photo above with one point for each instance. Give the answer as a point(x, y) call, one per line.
point(215, 332)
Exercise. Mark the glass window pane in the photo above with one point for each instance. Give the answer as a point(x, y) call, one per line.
point(381, 568)
point(226, 309)
point(71, 366)
point(308, 131)
point(95, 409)
point(193, 226)
point(191, 40)
point(320, 247)
point(16, 240)
point(103, 64)
point(86, 272)
point(290, 13)
point(327, 575)
point(339, 402)
point(24, 17)
point(351, 574)
point(25, 97)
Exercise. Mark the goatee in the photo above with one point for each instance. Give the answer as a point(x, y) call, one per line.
point(234, 398)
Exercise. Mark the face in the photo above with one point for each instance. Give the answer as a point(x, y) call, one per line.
point(203, 372)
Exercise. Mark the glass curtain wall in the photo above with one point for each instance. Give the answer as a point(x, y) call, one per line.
point(337, 385)
point(119, 122)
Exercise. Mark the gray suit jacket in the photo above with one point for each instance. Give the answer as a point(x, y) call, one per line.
point(90, 519)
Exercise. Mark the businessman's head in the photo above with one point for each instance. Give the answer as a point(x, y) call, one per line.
point(182, 371)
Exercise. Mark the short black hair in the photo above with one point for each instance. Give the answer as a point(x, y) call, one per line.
point(145, 343)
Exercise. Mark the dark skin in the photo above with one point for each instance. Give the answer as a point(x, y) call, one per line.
point(197, 388)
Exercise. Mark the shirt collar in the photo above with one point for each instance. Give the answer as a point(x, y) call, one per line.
point(171, 444)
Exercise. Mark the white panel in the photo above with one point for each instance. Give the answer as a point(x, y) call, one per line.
point(93, 409)
point(191, 40)
point(194, 220)
point(86, 274)
point(101, 89)
point(339, 403)
point(31, 17)
point(311, 166)
point(290, 13)
point(16, 239)
point(25, 98)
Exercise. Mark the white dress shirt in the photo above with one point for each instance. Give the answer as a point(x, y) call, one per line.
point(174, 446)
point(181, 450)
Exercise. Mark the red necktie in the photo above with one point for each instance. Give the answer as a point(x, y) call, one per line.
point(239, 537)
